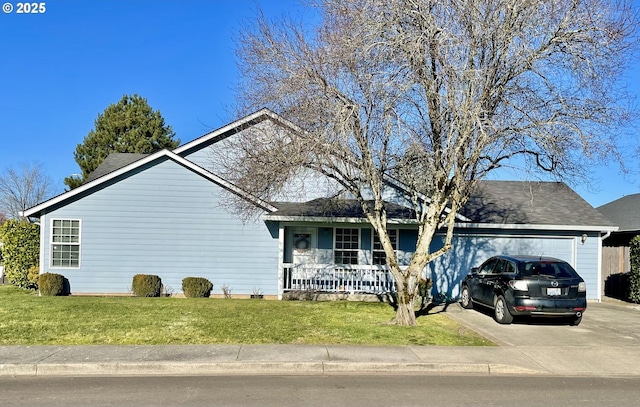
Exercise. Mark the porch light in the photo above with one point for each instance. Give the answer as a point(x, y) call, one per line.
point(583, 238)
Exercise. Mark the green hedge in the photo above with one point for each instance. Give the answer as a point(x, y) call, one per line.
point(51, 284)
point(634, 278)
point(196, 287)
point(146, 285)
point(20, 251)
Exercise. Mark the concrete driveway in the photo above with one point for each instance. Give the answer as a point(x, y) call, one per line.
point(609, 323)
point(607, 342)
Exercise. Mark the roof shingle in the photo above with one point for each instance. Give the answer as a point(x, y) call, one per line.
point(624, 212)
point(493, 202)
point(539, 203)
point(113, 162)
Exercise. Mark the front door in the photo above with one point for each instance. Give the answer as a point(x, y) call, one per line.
point(304, 243)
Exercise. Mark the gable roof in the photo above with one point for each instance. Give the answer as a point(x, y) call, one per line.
point(547, 205)
point(624, 212)
point(494, 203)
point(233, 128)
point(147, 159)
point(120, 163)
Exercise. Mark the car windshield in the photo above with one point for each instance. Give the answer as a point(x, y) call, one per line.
point(552, 269)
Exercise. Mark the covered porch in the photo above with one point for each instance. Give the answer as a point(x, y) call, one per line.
point(332, 278)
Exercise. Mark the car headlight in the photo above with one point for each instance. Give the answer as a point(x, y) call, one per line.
point(582, 287)
point(519, 285)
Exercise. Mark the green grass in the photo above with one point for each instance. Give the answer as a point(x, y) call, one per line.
point(26, 319)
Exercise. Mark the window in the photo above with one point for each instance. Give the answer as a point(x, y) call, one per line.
point(553, 269)
point(65, 243)
point(346, 246)
point(504, 266)
point(488, 266)
point(379, 256)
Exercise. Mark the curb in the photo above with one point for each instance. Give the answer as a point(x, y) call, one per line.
point(257, 368)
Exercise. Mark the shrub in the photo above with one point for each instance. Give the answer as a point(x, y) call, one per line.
point(424, 291)
point(617, 286)
point(424, 287)
point(634, 278)
point(51, 284)
point(196, 287)
point(33, 275)
point(146, 285)
point(20, 251)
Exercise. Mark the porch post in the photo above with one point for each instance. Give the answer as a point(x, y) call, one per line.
point(280, 260)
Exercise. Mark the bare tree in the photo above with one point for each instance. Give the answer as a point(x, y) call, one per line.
point(434, 94)
point(23, 188)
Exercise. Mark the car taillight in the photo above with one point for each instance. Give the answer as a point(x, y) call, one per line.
point(582, 287)
point(519, 285)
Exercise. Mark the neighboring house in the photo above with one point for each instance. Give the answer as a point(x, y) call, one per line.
point(625, 213)
point(168, 214)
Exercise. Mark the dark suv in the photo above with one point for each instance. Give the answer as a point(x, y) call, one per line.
point(526, 285)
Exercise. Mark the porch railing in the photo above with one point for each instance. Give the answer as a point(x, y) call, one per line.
point(338, 278)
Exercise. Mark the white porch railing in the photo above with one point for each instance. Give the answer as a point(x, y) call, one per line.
point(337, 278)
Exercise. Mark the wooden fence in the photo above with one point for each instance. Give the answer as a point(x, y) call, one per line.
point(615, 260)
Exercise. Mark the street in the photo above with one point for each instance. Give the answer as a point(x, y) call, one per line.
point(352, 391)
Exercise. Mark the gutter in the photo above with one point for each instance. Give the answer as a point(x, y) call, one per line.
point(458, 225)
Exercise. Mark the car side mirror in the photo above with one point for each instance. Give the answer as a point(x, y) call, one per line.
point(474, 270)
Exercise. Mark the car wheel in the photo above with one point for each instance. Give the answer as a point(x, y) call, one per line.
point(465, 298)
point(501, 311)
point(575, 321)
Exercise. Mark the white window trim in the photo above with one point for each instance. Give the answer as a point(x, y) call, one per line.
point(51, 244)
point(373, 240)
point(358, 250)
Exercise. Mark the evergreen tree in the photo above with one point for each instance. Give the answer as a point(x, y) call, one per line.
point(129, 126)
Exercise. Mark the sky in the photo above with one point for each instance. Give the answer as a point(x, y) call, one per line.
point(61, 68)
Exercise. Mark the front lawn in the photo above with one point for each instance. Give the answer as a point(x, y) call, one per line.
point(26, 319)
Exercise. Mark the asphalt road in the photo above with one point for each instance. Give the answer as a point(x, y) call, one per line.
point(352, 391)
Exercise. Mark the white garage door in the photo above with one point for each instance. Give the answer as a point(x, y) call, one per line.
point(471, 250)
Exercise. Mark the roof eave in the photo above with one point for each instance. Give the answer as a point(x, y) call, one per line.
point(235, 126)
point(333, 219)
point(533, 226)
point(513, 226)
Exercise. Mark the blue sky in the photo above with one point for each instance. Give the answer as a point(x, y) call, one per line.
point(60, 69)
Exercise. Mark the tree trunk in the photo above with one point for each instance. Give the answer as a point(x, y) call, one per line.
point(405, 313)
point(407, 286)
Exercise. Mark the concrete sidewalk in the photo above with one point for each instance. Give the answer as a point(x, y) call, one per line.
point(607, 343)
point(314, 360)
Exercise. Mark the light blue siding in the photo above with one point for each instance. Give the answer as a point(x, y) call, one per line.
point(587, 263)
point(203, 157)
point(169, 221)
point(305, 186)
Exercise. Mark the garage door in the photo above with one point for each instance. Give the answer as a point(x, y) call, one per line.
point(471, 250)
